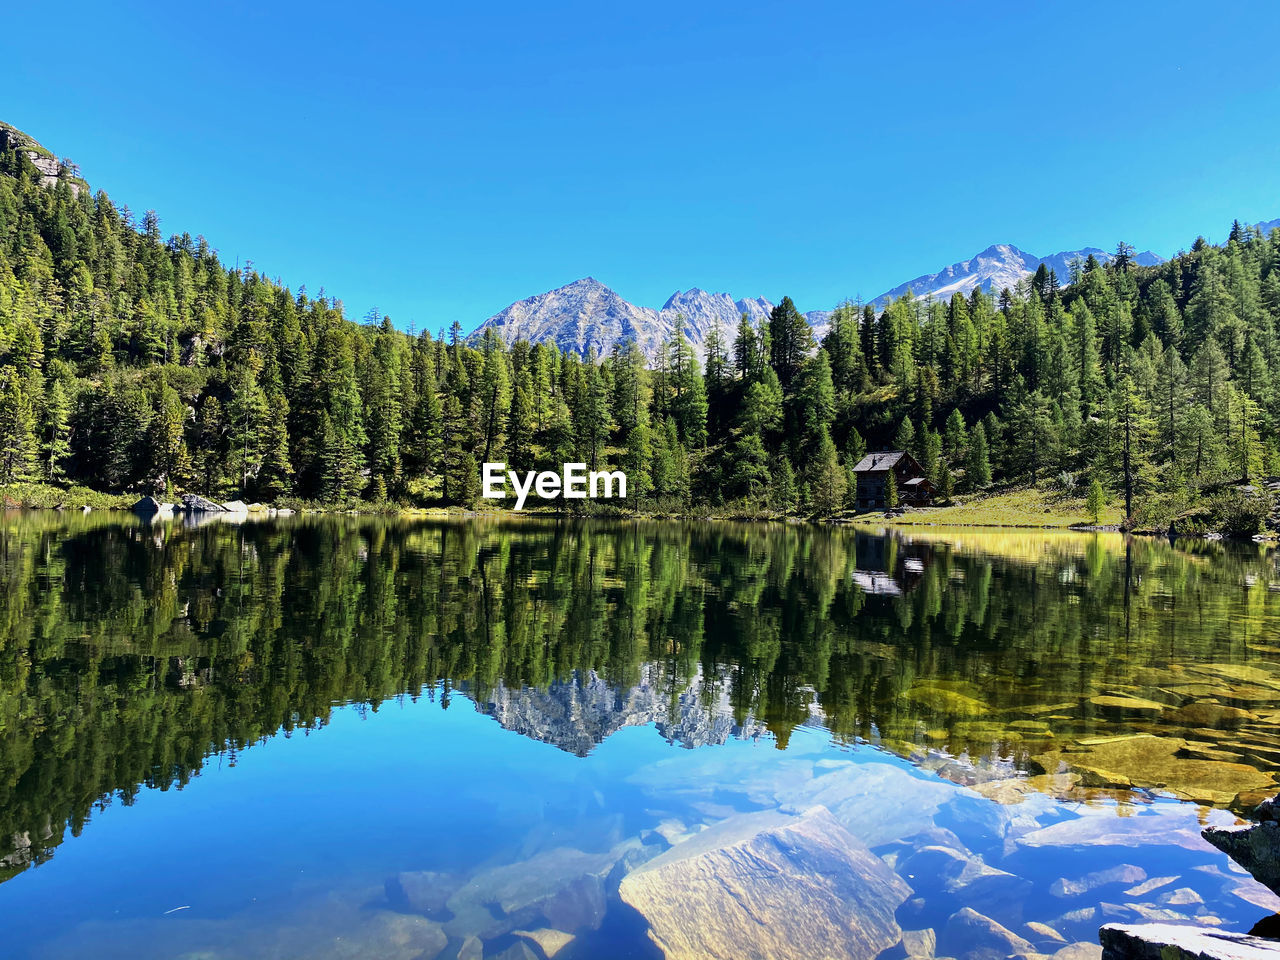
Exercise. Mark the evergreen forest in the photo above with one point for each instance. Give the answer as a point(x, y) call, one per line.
point(133, 362)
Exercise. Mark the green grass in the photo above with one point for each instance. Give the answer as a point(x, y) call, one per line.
point(48, 496)
point(1020, 507)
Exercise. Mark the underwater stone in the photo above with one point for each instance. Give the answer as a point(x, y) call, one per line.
point(422, 891)
point(970, 934)
point(1125, 873)
point(769, 885)
point(1044, 930)
point(920, 943)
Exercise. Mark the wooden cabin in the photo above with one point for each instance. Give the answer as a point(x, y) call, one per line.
point(872, 471)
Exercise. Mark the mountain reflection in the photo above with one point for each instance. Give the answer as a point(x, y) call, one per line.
point(129, 654)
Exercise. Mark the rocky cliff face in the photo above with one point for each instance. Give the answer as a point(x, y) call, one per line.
point(576, 715)
point(51, 170)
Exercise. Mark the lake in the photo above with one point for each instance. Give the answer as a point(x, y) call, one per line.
point(348, 737)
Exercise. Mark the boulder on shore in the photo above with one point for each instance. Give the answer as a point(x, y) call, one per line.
point(194, 503)
point(1169, 941)
point(150, 507)
point(769, 885)
point(235, 506)
point(1255, 846)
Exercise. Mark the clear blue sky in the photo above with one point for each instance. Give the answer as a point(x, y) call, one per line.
point(439, 162)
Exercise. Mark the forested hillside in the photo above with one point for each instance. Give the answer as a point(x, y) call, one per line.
point(132, 362)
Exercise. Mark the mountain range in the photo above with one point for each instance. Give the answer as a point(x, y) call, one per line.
point(586, 315)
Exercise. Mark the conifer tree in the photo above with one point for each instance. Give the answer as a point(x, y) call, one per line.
point(56, 432)
point(17, 430)
point(977, 470)
point(827, 482)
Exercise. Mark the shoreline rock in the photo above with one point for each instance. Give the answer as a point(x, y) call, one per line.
point(1168, 941)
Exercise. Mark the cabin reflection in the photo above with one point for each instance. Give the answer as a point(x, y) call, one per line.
point(888, 565)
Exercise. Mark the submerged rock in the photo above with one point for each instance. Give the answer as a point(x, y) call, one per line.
point(936, 869)
point(1045, 931)
point(1124, 873)
point(920, 943)
point(971, 935)
point(1112, 831)
point(549, 941)
point(564, 887)
point(1167, 941)
point(1146, 760)
point(769, 885)
point(1079, 951)
point(389, 936)
point(517, 951)
point(422, 891)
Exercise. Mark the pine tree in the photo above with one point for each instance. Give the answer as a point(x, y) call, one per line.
point(977, 470)
point(955, 435)
point(248, 414)
point(827, 481)
point(891, 492)
point(750, 466)
point(171, 460)
point(746, 350)
point(791, 341)
point(905, 438)
point(637, 459)
point(495, 394)
point(276, 476)
point(17, 430)
point(783, 494)
point(56, 433)
point(1131, 429)
point(520, 425)
point(1095, 501)
point(817, 398)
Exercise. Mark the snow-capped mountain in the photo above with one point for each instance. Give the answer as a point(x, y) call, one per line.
point(997, 267)
point(586, 316)
point(581, 317)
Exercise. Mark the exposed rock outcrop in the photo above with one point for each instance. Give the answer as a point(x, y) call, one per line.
point(1256, 846)
point(194, 503)
point(768, 885)
point(1167, 941)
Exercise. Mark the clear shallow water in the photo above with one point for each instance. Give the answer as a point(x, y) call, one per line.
point(348, 738)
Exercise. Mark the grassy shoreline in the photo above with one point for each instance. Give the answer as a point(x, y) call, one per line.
point(1014, 508)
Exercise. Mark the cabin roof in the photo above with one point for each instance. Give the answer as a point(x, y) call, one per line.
point(877, 462)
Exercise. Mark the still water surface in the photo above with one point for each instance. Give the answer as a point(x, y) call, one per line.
point(350, 737)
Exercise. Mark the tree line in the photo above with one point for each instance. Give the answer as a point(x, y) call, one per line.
point(130, 362)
